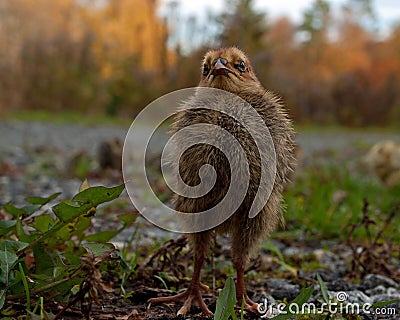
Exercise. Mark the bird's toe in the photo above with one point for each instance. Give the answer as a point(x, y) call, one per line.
point(191, 295)
point(203, 307)
point(194, 297)
point(252, 307)
point(204, 287)
point(174, 298)
point(248, 303)
point(186, 306)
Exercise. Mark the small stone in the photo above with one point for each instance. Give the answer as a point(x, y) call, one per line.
point(355, 296)
point(292, 251)
point(281, 289)
point(319, 253)
point(377, 290)
point(338, 285)
point(274, 283)
point(326, 275)
point(264, 298)
point(373, 280)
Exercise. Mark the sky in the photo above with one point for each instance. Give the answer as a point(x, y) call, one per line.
point(388, 11)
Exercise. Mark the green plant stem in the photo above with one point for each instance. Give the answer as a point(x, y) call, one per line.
point(44, 288)
point(44, 236)
point(42, 312)
point(25, 283)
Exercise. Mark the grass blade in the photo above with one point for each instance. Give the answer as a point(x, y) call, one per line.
point(324, 289)
point(226, 302)
point(301, 299)
point(25, 283)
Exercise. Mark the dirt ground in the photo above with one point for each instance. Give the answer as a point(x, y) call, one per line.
point(24, 150)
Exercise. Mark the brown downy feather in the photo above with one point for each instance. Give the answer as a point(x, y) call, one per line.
point(246, 232)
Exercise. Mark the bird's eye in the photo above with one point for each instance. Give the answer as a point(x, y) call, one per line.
point(206, 70)
point(241, 66)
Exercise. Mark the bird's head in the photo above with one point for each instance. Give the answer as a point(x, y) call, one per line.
point(228, 69)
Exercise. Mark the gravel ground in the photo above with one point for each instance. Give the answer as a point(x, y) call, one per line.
point(34, 157)
point(31, 153)
point(16, 135)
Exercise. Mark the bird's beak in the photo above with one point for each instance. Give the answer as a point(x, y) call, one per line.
point(220, 69)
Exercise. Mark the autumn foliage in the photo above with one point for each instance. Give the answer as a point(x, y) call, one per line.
point(114, 57)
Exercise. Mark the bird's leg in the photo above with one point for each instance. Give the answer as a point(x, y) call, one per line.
point(241, 290)
point(192, 293)
point(240, 255)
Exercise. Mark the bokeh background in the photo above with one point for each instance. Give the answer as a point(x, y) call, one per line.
point(335, 62)
point(75, 73)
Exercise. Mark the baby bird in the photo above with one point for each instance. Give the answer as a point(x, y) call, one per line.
point(229, 69)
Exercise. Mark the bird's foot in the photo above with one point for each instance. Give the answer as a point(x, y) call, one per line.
point(248, 303)
point(192, 294)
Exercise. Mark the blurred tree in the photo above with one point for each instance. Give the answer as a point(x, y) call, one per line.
point(242, 26)
point(45, 54)
point(353, 36)
point(283, 58)
point(73, 54)
point(362, 13)
point(316, 22)
point(130, 28)
point(315, 70)
point(116, 56)
point(368, 73)
point(394, 45)
point(131, 51)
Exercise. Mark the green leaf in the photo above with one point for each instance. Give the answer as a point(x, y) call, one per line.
point(13, 210)
point(85, 201)
point(42, 201)
point(226, 301)
point(384, 303)
point(7, 226)
point(72, 203)
point(97, 249)
point(8, 256)
point(2, 298)
point(22, 236)
point(162, 281)
point(102, 236)
point(324, 289)
point(169, 277)
point(301, 299)
point(63, 290)
point(274, 249)
point(12, 246)
point(43, 222)
point(43, 260)
point(100, 194)
point(128, 218)
point(28, 210)
point(17, 212)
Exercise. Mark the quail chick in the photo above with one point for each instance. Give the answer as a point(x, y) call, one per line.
point(229, 69)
